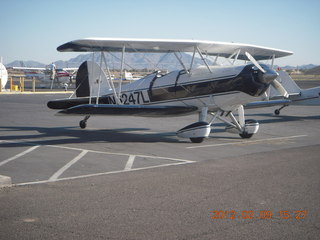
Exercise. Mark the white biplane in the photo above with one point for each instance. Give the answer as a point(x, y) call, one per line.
point(216, 90)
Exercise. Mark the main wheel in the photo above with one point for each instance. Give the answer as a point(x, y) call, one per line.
point(83, 124)
point(246, 135)
point(197, 139)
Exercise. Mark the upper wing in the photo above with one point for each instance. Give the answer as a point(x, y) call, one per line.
point(29, 68)
point(164, 45)
point(68, 69)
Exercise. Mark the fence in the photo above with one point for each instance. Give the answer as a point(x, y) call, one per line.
point(18, 84)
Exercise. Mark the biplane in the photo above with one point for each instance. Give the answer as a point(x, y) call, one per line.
point(213, 91)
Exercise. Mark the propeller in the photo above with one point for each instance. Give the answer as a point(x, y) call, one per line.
point(275, 83)
point(249, 56)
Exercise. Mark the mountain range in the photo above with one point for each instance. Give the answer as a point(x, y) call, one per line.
point(148, 61)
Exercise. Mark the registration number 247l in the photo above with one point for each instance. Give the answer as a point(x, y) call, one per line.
point(131, 98)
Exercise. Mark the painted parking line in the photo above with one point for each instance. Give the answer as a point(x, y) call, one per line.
point(134, 162)
point(130, 162)
point(19, 155)
point(122, 154)
point(56, 175)
point(103, 173)
point(247, 142)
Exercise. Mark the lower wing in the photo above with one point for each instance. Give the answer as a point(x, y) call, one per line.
point(126, 110)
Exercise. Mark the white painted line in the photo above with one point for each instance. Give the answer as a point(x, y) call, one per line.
point(129, 163)
point(93, 151)
point(128, 167)
point(18, 155)
point(101, 174)
point(246, 142)
point(120, 154)
point(69, 164)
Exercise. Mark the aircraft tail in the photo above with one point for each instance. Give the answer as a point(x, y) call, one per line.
point(287, 82)
point(87, 80)
point(298, 96)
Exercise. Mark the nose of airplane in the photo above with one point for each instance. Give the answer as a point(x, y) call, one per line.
point(268, 76)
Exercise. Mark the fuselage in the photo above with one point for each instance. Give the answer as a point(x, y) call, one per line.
point(223, 87)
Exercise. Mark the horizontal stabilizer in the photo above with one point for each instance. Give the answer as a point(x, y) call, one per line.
point(128, 110)
point(68, 103)
point(271, 103)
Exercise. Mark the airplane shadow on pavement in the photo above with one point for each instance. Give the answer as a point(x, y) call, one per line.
point(69, 135)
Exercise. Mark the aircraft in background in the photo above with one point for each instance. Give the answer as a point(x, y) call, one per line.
point(3, 74)
point(220, 91)
point(50, 75)
point(130, 77)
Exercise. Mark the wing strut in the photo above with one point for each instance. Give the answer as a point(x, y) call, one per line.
point(235, 54)
point(121, 70)
point(272, 62)
point(99, 83)
point(193, 55)
point(179, 59)
point(203, 59)
point(91, 89)
point(109, 80)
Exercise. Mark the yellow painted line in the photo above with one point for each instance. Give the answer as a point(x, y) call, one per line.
point(42, 92)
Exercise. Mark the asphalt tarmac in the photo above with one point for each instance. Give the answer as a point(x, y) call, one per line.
point(132, 178)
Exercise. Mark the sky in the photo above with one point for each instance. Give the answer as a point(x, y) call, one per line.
point(33, 29)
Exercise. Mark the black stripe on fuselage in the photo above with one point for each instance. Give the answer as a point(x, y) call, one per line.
point(192, 98)
point(245, 82)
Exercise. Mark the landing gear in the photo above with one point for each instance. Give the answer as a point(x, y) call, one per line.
point(197, 139)
point(245, 128)
point(251, 127)
point(277, 111)
point(83, 123)
point(198, 131)
point(245, 135)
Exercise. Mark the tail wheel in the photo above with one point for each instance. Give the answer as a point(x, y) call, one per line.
point(83, 124)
